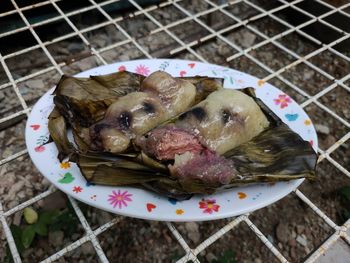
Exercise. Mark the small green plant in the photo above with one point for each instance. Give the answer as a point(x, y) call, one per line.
point(25, 234)
point(66, 221)
point(38, 224)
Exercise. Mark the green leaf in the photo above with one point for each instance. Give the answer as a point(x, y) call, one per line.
point(48, 217)
point(65, 221)
point(345, 192)
point(28, 235)
point(17, 236)
point(41, 228)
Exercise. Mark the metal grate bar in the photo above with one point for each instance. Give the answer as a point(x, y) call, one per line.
point(9, 237)
point(81, 241)
point(121, 29)
point(31, 201)
point(334, 147)
point(186, 19)
point(35, 35)
point(229, 28)
point(316, 209)
point(206, 243)
point(167, 31)
point(13, 84)
point(190, 254)
point(86, 42)
point(28, 7)
point(13, 157)
point(266, 242)
point(100, 253)
point(320, 18)
point(67, 249)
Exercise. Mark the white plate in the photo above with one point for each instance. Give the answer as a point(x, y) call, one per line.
point(129, 201)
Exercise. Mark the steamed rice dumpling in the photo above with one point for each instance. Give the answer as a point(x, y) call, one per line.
point(88, 106)
point(174, 136)
point(160, 97)
point(221, 122)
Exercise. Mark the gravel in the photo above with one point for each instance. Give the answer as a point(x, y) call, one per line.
point(322, 129)
point(56, 238)
point(289, 224)
point(302, 240)
point(35, 84)
point(193, 231)
point(282, 232)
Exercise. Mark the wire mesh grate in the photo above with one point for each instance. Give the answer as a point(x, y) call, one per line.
point(219, 23)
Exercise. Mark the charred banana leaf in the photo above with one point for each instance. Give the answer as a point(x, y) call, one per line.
point(277, 154)
point(84, 101)
point(121, 83)
point(78, 104)
point(204, 86)
point(131, 171)
point(58, 132)
point(277, 151)
point(116, 172)
point(168, 187)
point(82, 138)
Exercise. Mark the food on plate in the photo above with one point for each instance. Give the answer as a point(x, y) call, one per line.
point(174, 136)
point(107, 112)
point(225, 119)
point(159, 98)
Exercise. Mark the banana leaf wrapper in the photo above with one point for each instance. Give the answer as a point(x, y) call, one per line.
point(136, 170)
point(276, 154)
point(204, 86)
point(83, 101)
point(58, 131)
point(121, 83)
point(116, 172)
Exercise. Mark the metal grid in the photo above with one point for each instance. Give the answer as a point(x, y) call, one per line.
point(340, 231)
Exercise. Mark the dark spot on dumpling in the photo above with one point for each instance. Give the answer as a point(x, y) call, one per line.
point(199, 113)
point(183, 115)
point(149, 107)
point(226, 116)
point(100, 126)
point(124, 120)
